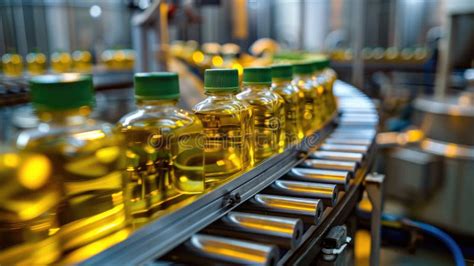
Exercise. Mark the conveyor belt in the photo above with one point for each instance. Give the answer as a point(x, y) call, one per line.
point(267, 204)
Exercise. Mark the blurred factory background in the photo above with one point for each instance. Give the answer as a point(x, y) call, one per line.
point(414, 58)
point(51, 25)
point(400, 36)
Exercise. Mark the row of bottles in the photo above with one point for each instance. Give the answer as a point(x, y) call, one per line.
point(36, 63)
point(76, 185)
point(63, 62)
point(214, 55)
point(390, 54)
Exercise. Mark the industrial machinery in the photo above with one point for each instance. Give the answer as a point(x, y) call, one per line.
point(436, 171)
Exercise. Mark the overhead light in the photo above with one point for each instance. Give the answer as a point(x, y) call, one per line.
point(95, 11)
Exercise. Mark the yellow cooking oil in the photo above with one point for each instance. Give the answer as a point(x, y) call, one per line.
point(268, 109)
point(320, 85)
point(29, 197)
point(164, 145)
point(36, 63)
point(212, 58)
point(282, 75)
point(12, 65)
point(82, 61)
point(61, 62)
point(86, 155)
point(228, 127)
point(331, 77)
point(303, 80)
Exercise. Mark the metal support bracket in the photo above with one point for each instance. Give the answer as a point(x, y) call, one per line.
point(374, 187)
point(330, 254)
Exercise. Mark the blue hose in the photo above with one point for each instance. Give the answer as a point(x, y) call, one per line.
point(433, 231)
point(438, 233)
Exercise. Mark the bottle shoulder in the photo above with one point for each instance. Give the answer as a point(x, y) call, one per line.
point(330, 72)
point(286, 90)
point(224, 106)
point(158, 118)
point(48, 135)
point(320, 80)
point(261, 97)
point(304, 84)
point(307, 87)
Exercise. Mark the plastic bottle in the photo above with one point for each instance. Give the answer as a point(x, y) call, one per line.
point(228, 127)
point(282, 75)
point(61, 62)
point(12, 65)
point(165, 153)
point(320, 84)
point(36, 63)
point(304, 81)
point(268, 110)
point(331, 77)
point(87, 158)
point(82, 61)
point(29, 197)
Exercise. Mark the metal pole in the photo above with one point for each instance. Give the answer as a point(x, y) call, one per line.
point(444, 64)
point(302, 24)
point(140, 45)
point(153, 19)
point(374, 188)
point(163, 49)
point(358, 43)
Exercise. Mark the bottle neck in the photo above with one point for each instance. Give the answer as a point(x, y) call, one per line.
point(221, 95)
point(74, 116)
point(317, 72)
point(281, 82)
point(152, 104)
point(302, 76)
point(257, 87)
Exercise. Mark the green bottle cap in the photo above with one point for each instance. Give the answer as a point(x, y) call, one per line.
point(156, 86)
point(257, 75)
point(62, 91)
point(318, 65)
point(221, 80)
point(326, 62)
point(282, 72)
point(303, 68)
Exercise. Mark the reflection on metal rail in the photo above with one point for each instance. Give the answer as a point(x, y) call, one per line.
point(207, 250)
point(309, 210)
point(282, 231)
point(339, 178)
point(326, 192)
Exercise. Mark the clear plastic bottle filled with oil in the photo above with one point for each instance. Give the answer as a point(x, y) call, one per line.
point(61, 62)
point(29, 197)
point(82, 61)
point(36, 63)
point(282, 75)
point(12, 65)
point(268, 111)
point(331, 77)
point(320, 85)
point(87, 157)
point(165, 145)
point(228, 127)
point(304, 81)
